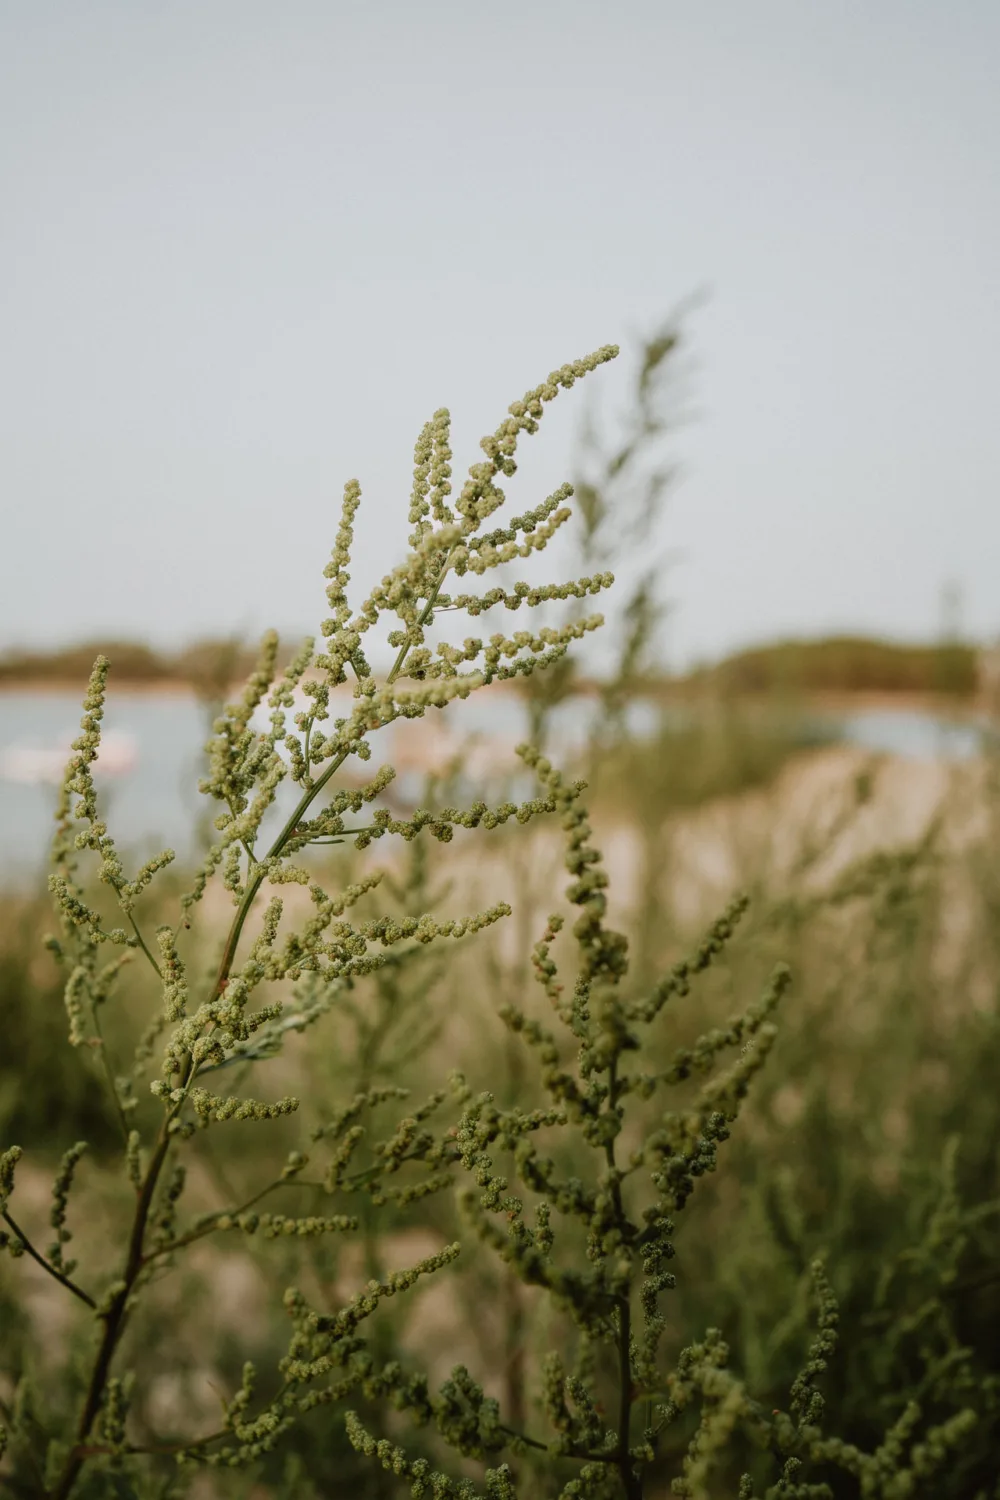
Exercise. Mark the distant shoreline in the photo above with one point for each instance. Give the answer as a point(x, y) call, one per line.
point(832, 674)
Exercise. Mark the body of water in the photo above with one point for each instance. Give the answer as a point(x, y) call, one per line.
point(155, 758)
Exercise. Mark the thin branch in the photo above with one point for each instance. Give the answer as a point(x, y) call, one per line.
point(306, 744)
point(70, 1286)
point(138, 935)
point(109, 1074)
point(115, 1316)
point(142, 944)
point(580, 1453)
point(96, 1450)
point(205, 1229)
point(425, 615)
point(522, 1437)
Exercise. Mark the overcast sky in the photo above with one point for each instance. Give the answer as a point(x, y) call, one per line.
point(247, 248)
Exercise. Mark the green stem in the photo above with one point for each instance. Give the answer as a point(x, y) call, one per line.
point(109, 1074)
point(114, 1319)
point(254, 884)
point(206, 1229)
point(70, 1286)
point(98, 1450)
point(631, 1481)
point(138, 935)
point(306, 742)
point(425, 614)
point(581, 1453)
point(522, 1437)
point(142, 944)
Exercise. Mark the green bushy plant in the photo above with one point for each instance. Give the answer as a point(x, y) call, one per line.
point(333, 972)
point(58, 1101)
point(208, 1033)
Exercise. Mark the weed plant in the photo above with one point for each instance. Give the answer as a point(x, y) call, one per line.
point(575, 1157)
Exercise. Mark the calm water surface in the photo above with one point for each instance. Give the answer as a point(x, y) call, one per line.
point(156, 803)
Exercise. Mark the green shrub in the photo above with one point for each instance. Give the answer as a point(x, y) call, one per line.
point(40, 1100)
point(560, 1171)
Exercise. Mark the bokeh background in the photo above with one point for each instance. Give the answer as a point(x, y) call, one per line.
point(247, 250)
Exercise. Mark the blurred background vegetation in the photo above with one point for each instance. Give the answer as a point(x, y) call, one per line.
point(841, 664)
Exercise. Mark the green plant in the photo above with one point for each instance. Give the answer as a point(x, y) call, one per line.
point(620, 492)
point(207, 1034)
point(40, 1101)
point(618, 1421)
point(608, 1136)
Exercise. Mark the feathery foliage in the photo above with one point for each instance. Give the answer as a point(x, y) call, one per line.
point(579, 1187)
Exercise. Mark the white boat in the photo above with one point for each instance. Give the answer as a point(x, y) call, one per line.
point(34, 764)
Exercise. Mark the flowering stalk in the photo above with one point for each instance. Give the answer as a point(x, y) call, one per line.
point(245, 772)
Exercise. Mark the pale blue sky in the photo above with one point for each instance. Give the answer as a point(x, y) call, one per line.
point(247, 248)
